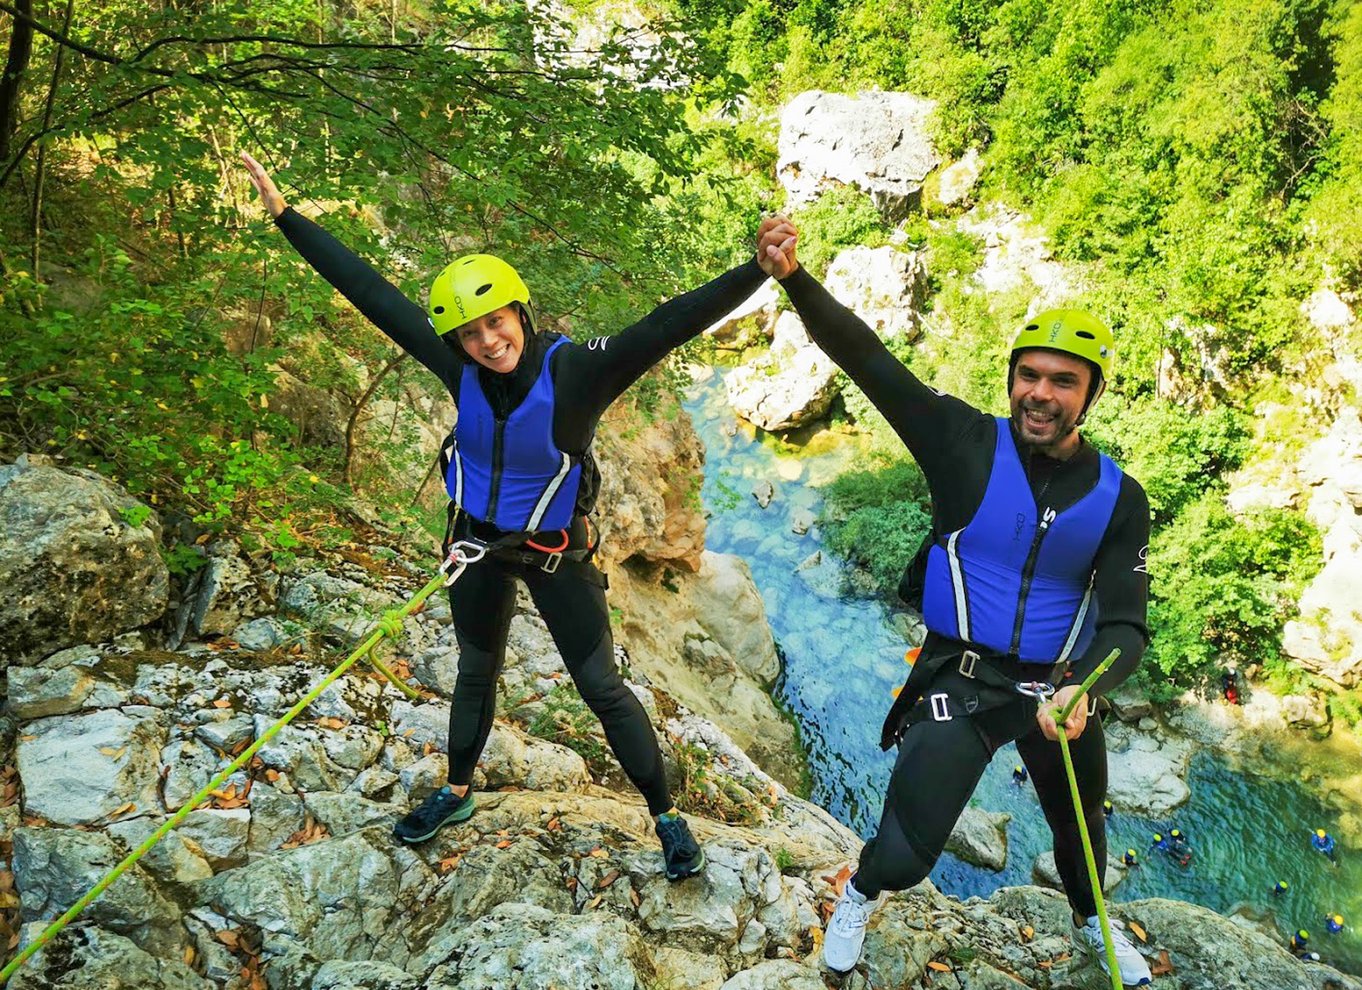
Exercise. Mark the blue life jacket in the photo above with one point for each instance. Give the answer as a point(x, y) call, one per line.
point(1013, 583)
point(509, 472)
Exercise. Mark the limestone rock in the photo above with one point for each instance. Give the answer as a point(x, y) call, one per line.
point(515, 759)
point(751, 323)
point(54, 868)
point(980, 837)
point(522, 947)
point(1045, 873)
point(80, 769)
point(61, 688)
point(884, 286)
point(793, 384)
point(80, 560)
point(704, 639)
point(958, 179)
point(228, 593)
point(1016, 256)
point(1146, 773)
point(90, 958)
point(650, 470)
point(777, 974)
point(876, 141)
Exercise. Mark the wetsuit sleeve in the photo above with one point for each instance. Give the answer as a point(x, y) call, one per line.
point(1121, 588)
point(929, 422)
point(594, 375)
point(381, 302)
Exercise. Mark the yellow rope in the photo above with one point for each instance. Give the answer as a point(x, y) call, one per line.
point(1062, 716)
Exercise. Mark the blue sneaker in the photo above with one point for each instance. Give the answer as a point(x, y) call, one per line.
point(441, 808)
point(681, 854)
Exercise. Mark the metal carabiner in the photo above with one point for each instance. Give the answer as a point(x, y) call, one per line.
point(461, 554)
point(1040, 690)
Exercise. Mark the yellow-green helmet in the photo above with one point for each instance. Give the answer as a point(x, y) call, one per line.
point(473, 286)
point(1073, 332)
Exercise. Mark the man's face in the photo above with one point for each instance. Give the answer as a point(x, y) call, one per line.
point(1049, 391)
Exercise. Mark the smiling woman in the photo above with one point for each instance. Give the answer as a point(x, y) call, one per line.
point(522, 481)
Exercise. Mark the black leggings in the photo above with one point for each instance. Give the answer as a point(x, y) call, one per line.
point(572, 604)
point(939, 765)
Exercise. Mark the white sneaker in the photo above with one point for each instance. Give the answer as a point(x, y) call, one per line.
point(1088, 938)
point(846, 931)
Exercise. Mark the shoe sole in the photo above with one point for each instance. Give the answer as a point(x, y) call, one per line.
point(1099, 960)
point(689, 871)
point(460, 814)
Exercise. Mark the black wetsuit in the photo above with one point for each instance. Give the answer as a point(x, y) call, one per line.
point(571, 600)
point(940, 762)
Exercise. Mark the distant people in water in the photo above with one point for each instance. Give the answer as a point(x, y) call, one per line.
point(1107, 809)
point(1130, 859)
point(1323, 842)
point(1280, 888)
point(1019, 775)
point(1300, 946)
point(1333, 923)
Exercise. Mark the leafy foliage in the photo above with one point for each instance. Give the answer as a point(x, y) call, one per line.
point(878, 518)
point(1222, 587)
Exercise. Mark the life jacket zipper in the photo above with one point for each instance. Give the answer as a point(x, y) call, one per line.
point(1028, 572)
point(498, 455)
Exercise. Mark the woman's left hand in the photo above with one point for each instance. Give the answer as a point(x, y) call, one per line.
point(1078, 718)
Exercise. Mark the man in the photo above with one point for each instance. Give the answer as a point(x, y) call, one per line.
point(1034, 572)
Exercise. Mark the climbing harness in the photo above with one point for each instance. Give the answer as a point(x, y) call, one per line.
point(389, 626)
point(1062, 716)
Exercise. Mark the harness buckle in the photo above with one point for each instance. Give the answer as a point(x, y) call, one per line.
point(941, 711)
point(967, 661)
point(551, 562)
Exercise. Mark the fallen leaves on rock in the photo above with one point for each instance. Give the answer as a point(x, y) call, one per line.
point(1139, 932)
point(1163, 965)
point(448, 863)
point(9, 786)
point(312, 831)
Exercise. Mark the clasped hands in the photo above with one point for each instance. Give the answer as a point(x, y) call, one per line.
point(776, 239)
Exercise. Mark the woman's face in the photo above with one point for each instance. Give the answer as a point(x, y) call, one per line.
point(494, 341)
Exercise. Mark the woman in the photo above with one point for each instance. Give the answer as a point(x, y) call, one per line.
point(521, 473)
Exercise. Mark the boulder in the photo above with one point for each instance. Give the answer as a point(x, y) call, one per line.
point(751, 323)
point(54, 868)
point(522, 947)
point(878, 142)
point(980, 837)
point(79, 770)
point(793, 384)
point(80, 560)
point(651, 469)
point(1145, 775)
point(884, 286)
point(90, 958)
point(958, 179)
point(1016, 257)
point(704, 639)
point(228, 593)
point(1046, 874)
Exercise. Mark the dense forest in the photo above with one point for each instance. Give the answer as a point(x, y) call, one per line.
point(1200, 164)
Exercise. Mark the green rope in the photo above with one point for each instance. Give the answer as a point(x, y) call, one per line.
point(1062, 716)
point(390, 621)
